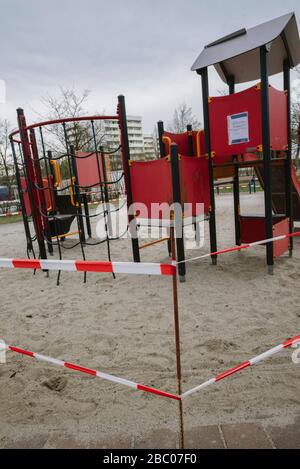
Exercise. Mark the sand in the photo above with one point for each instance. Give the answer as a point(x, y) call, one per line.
point(228, 314)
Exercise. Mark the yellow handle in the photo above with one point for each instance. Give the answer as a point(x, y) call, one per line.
point(73, 180)
point(57, 173)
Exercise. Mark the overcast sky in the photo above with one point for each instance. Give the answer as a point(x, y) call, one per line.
point(141, 48)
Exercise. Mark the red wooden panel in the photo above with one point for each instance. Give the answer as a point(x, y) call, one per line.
point(278, 119)
point(26, 197)
point(88, 169)
point(152, 184)
point(281, 228)
point(254, 229)
point(182, 141)
point(194, 182)
point(246, 101)
point(48, 194)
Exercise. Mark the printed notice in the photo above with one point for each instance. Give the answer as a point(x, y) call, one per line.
point(238, 128)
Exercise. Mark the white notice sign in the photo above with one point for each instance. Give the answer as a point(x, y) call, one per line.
point(238, 128)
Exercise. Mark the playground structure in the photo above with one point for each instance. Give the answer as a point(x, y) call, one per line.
point(59, 164)
point(247, 129)
point(186, 172)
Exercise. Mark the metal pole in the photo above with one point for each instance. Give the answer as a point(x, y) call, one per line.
point(161, 130)
point(77, 195)
point(126, 169)
point(265, 119)
point(178, 212)
point(39, 179)
point(212, 219)
point(162, 152)
point(236, 183)
point(106, 195)
point(189, 129)
point(289, 186)
point(177, 339)
point(31, 181)
point(87, 214)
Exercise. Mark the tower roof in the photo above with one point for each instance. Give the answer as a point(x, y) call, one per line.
point(238, 54)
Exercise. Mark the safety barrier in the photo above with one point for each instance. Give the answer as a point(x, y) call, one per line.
point(131, 384)
point(243, 246)
point(90, 266)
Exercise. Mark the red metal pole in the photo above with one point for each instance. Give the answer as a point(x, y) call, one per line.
point(31, 181)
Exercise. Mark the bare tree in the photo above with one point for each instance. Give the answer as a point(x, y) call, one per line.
point(183, 116)
point(5, 151)
point(6, 161)
point(70, 103)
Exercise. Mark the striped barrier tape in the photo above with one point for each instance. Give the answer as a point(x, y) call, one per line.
point(253, 361)
point(89, 371)
point(243, 246)
point(226, 374)
point(91, 266)
point(10, 214)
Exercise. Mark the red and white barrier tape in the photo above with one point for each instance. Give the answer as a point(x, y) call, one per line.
point(91, 266)
point(253, 361)
point(89, 371)
point(10, 214)
point(243, 246)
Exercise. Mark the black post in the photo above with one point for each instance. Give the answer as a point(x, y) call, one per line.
point(189, 129)
point(87, 214)
point(212, 219)
point(106, 195)
point(42, 197)
point(289, 186)
point(55, 195)
point(178, 212)
point(126, 169)
point(265, 119)
point(236, 183)
point(77, 197)
point(162, 148)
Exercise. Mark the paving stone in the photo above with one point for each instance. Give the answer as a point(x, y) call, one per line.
point(286, 437)
point(162, 439)
point(203, 438)
point(245, 436)
point(118, 442)
point(32, 442)
point(61, 442)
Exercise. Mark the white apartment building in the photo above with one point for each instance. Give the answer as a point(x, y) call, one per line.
point(150, 149)
point(135, 136)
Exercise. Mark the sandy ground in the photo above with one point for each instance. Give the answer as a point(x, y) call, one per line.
point(228, 314)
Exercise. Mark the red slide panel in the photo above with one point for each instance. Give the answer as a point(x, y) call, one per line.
point(244, 108)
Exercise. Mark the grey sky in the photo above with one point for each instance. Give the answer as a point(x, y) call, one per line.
point(143, 49)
